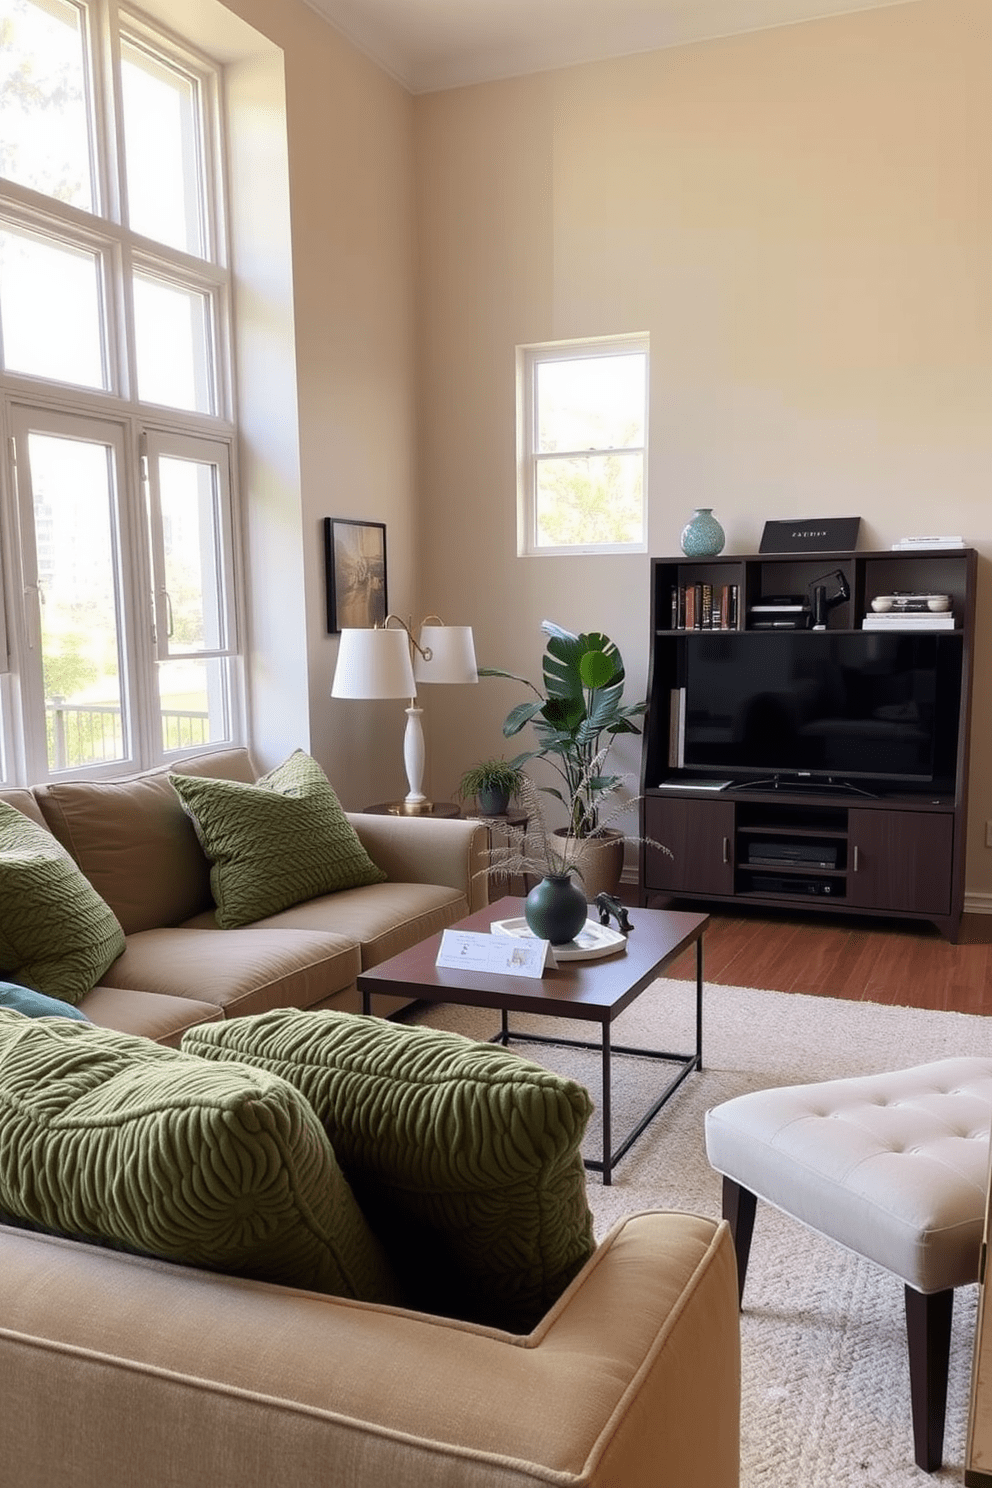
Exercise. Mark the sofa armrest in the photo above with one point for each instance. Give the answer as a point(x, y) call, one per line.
point(430, 850)
point(120, 1370)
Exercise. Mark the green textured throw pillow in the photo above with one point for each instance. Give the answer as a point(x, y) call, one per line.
point(56, 934)
point(464, 1157)
point(276, 843)
point(112, 1138)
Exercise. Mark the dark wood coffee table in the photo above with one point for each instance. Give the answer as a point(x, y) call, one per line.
point(594, 991)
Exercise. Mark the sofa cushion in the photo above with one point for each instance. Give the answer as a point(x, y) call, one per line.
point(56, 934)
point(240, 971)
point(275, 843)
point(19, 999)
point(134, 841)
point(384, 919)
point(112, 1138)
point(464, 1157)
point(152, 1015)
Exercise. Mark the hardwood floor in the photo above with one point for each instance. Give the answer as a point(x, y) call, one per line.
point(905, 963)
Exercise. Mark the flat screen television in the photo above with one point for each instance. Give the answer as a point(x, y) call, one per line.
point(851, 706)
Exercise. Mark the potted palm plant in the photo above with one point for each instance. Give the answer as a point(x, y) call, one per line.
point(576, 718)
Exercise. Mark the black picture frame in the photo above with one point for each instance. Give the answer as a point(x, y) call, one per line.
point(355, 569)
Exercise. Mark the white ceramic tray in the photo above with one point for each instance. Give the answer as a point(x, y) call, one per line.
point(592, 941)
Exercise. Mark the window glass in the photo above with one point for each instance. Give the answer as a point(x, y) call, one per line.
point(583, 442)
point(193, 698)
point(44, 118)
point(161, 146)
point(51, 309)
point(73, 495)
point(590, 500)
point(172, 340)
point(591, 401)
point(191, 543)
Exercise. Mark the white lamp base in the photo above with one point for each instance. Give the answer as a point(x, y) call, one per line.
point(415, 803)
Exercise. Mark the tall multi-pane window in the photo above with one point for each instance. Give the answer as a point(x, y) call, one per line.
point(119, 644)
point(582, 446)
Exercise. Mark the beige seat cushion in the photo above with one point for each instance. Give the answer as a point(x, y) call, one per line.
point(385, 918)
point(239, 971)
point(893, 1166)
point(153, 1015)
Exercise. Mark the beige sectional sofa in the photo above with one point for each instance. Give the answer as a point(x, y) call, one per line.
point(121, 1371)
point(139, 850)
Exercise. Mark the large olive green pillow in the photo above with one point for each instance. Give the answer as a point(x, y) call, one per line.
point(464, 1157)
point(57, 935)
point(275, 843)
point(108, 1137)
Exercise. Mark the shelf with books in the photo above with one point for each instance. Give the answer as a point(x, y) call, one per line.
point(729, 750)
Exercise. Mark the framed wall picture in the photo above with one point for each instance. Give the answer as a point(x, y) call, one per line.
point(355, 557)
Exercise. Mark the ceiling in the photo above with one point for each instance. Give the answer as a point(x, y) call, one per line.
point(432, 44)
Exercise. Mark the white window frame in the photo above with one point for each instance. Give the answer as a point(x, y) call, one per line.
point(529, 457)
point(137, 425)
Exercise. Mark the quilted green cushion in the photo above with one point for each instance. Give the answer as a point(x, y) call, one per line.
point(56, 934)
point(112, 1138)
point(464, 1157)
point(275, 843)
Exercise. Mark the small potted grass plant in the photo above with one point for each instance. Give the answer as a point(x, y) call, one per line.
point(493, 782)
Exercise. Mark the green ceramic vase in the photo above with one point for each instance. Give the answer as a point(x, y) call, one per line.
point(556, 909)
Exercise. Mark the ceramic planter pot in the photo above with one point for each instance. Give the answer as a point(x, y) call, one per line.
point(601, 862)
point(493, 800)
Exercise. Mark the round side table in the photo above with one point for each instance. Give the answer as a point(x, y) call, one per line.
point(395, 808)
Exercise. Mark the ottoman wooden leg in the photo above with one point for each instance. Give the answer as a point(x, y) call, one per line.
point(739, 1205)
point(928, 1331)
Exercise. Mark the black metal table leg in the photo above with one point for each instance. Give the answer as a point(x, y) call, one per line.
point(607, 1142)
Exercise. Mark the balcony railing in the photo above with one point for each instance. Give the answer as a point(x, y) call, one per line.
point(93, 734)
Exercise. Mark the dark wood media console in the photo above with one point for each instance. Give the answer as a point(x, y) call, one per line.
point(862, 841)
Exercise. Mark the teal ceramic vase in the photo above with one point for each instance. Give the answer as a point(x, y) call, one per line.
point(702, 535)
point(555, 909)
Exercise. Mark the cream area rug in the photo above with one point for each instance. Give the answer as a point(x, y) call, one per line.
point(825, 1387)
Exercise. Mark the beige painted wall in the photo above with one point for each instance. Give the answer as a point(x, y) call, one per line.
point(801, 219)
point(340, 440)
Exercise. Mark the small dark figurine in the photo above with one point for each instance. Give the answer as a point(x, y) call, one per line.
point(608, 905)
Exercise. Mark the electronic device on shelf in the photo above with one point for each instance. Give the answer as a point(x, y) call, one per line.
point(768, 883)
point(814, 709)
point(792, 854)
point(780, 612)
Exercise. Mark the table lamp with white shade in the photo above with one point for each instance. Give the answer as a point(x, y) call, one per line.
point(388, 663)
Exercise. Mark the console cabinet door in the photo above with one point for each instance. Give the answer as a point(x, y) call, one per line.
point(700, 835)
point(900, 860)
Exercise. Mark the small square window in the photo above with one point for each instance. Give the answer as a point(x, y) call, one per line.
point(582, 446)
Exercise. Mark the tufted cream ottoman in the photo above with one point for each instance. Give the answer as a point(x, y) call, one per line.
point(893, 1166)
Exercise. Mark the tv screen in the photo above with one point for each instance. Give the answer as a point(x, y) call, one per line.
point(854, 704)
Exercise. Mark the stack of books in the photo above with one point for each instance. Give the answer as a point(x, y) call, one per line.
point(916, 544)
point(705, 607)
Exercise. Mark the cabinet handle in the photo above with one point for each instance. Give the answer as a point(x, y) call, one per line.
point(854, 864)
point(726, 849)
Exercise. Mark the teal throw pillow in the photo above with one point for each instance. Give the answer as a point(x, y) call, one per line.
point(57, 935)
point(276, 843)
point(464, 1157)
point(36, 1004)
point(115, 1139)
